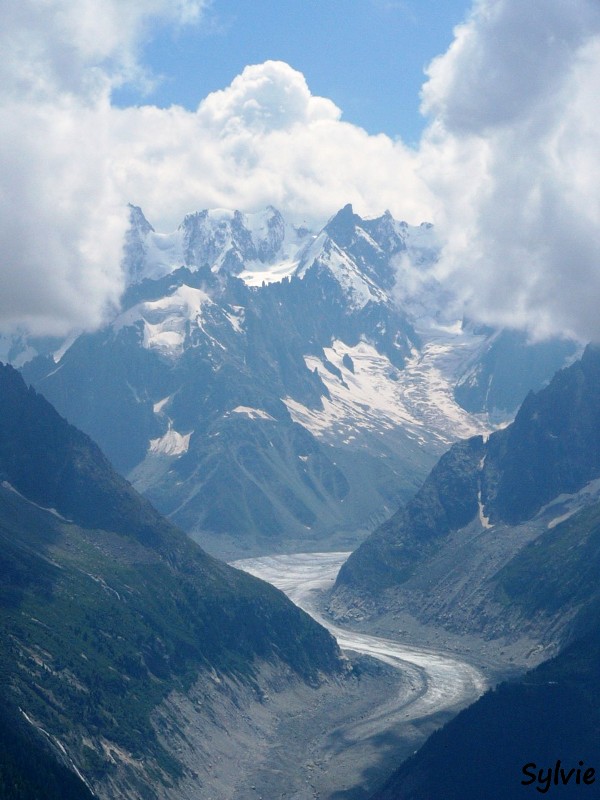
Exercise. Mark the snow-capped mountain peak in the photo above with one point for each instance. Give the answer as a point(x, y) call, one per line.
point(358, 287)
point(257, 409)
point(224, 240)
point(262, 248)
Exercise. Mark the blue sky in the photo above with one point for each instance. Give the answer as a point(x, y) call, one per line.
point(368, 56)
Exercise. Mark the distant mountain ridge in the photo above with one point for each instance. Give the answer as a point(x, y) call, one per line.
point(270, 388)
point(225, 240)
point(263, 246)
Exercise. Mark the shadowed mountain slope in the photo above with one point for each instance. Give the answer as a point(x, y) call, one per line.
point(501, 539)
point(549, 715)
point(552, 448)
point(107, 610)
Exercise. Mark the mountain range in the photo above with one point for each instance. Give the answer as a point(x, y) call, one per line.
point(271, 388)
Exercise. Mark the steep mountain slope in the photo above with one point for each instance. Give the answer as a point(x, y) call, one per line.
point(508, 743)
point(28, 769)
point(496, 540)
point(270, 388)
point(505, 368)
point(109, 614)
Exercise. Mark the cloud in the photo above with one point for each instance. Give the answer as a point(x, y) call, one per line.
point(61, 221)
point(263, 140)
point(70, 161)
point(265, 97)
point(508, 168)
point(512, 159)
point(80, 47)
point(62, 215)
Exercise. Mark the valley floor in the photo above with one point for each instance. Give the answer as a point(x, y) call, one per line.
point(342, 747)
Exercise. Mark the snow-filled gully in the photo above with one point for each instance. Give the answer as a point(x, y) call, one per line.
point(439, 681)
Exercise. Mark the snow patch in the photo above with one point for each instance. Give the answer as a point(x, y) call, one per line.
point(563, 518)
point(158, 407)
point(570, 504)
point(166, 321)
point(253, 413)
point(377, 397)
point(171, 444)
point(58, 354)
point(236, 318)
point(257, 273)
point(358, 288)
point(484, 521)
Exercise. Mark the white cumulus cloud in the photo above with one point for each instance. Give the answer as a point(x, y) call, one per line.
point(61, 220)
point(62, 214)
point(265, 97)
point(508, 168)
point(70, 161)
point(263, 140)
point(512, 158)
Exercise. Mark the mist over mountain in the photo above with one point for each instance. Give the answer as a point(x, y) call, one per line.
point(266, 388)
